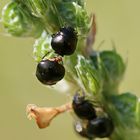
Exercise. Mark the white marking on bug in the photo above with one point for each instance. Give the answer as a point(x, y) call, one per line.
point(79, 127)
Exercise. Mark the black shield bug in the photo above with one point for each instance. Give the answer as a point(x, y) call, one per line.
point(50, 71)
point(100, 127)
point(83, 108)
point(64, 42)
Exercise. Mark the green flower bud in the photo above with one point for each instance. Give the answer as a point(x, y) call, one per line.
point(19, 22)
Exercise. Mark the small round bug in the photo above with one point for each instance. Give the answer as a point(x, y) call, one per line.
point(83, 108)
point(64, 42)
point(100, 127)
point(49, 72)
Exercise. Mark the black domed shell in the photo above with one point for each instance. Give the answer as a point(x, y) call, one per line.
point(100, 127)
point(83, 108)
point(49, 72)
point(64, 42)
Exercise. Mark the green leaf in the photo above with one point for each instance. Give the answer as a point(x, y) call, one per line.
point(44, 10)
point(57, 13)
point(88, 75)
point(113, 63)
point(18, 21)
point(111, 67)
point(126, 104)
point(79, 2)
point(126, 116)
point(74, 15)
point(42, 47)
point(37, 7)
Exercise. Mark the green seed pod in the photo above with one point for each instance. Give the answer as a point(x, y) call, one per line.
point(19, 22)
point(111, 66)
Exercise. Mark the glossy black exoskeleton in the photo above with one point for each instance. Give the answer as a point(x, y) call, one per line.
point(64, 42)
point(84, 109)
point(100, 127)
point(49, 72)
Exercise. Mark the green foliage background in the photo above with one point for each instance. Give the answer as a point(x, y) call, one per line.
point(116, 20)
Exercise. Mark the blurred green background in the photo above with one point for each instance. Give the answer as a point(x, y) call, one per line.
point(117, 20)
